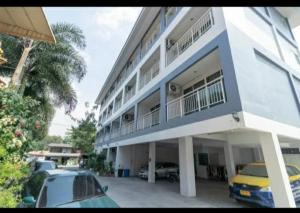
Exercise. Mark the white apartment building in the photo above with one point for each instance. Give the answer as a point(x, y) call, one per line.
point(218, 82)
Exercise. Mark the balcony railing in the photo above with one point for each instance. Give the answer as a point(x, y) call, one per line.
point(118, 105)
point(148, 120)
point(115, 133)
point(127, 128)
point(205, 22)
point(149, 75)
point(129, 94)
point(109, 114)
point(106, 137)
point(197, 100)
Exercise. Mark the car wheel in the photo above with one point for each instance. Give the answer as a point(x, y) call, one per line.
point(156, 176)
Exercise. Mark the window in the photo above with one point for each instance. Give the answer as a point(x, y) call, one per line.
point(281, 23)
point(214, 76)
point(34, 185)
point(71, 189)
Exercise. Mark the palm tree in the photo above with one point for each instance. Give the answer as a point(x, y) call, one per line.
point(50, 68)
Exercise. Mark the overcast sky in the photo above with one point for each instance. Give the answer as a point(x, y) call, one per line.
point(106, 30)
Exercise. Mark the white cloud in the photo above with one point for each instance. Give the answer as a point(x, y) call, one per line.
point(112, 20)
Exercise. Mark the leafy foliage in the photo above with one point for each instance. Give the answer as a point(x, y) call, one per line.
point(19, 127)
point(49, 69)
point(42, 144)
point(84, 135)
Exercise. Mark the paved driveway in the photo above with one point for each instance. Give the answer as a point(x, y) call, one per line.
point(134, 192)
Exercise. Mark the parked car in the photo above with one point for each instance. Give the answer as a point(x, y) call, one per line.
point(44, 165)
point(162, 169)
point(64, 188)
point(253, 185)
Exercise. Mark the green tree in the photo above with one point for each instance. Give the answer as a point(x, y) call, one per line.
point(42, 144)
point(49, 69)
point(84, 135)
point(19, 127)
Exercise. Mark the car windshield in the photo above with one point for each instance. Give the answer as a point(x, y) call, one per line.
point(60, 190)
point(45, 165)
point(261, 171)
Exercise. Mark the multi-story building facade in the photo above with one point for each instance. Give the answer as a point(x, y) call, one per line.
point(197, 80)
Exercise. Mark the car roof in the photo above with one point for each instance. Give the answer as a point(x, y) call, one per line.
point(45, 161)
point(62, 172)
point(263, 164)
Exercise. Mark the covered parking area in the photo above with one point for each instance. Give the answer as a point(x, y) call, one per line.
point(207, 161)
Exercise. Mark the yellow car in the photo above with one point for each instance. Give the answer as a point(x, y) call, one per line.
point(253, 185)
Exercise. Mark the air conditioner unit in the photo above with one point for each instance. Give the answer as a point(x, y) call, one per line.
point(128, 117)
point(174, 89)
point(170, 43)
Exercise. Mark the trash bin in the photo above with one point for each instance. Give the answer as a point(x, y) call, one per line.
point(126, 172)
point(120, 172)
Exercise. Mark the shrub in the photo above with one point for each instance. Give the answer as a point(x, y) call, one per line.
point(18, 127)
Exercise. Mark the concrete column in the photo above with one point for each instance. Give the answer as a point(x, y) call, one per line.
point(280, 185)
point(229, 159)
point(163, 102)
point(151, 166)
point(186, 166)
point(117, 164)
point(108, 155)
point(258, 154)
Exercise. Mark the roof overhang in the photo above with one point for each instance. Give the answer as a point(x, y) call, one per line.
point(29, 22)
point(292, 13)
point(140, 27)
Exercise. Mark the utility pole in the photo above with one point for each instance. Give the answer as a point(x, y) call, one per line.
point(19, 72)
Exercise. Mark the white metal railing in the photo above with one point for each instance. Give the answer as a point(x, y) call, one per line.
point(147, 76)
point(106, 137)
point(129, 94)
point(197, 30)
point(149, 119)
point(115, 133)
point(127, 128)
point(197, 100)
point(109, 113)
point(117, 105)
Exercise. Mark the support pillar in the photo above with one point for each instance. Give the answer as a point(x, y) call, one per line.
point(186, 166)
point(151, 166)
point(108, 155)
point(279, 180)
point(229, 160)
point(117, 164)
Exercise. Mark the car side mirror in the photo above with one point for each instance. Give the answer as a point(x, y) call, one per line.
point(105, 188)
point(29, 201)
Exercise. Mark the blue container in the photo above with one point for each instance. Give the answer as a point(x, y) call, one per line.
point(126, 172)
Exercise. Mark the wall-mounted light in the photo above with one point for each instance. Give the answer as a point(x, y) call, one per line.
point(235, 116)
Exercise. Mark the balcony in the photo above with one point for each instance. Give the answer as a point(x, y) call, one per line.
point(130, 89)
point(148, 111)
point(198, 100)
point(149, 119)
point(118, 102)
point(198, 88)
point(149, 70)
point(127, 128)
point(191, 35)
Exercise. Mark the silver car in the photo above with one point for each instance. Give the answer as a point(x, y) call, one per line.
point(162, 169)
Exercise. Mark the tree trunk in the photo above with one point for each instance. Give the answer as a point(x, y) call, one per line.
point(18, 74)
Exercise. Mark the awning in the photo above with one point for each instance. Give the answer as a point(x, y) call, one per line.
point(27, 22)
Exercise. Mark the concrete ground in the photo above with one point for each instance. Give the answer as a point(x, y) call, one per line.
point(134, 192)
